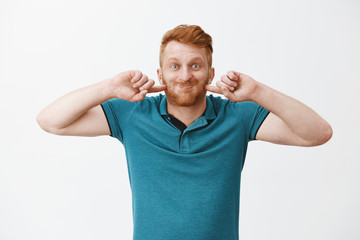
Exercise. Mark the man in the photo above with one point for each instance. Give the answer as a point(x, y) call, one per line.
point(185, 150)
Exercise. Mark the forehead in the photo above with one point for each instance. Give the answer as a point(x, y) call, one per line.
point(181, 51)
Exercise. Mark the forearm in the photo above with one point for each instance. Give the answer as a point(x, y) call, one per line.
point(70, 107)
point(301, 119)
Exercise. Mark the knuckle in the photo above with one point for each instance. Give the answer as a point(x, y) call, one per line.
point(225, 81)
point(221, 85)
point(136, 73)
point(136, 76)
point(144, 79)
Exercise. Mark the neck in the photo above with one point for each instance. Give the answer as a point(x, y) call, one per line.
point(187, 114)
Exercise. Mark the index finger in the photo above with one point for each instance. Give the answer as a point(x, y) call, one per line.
point(157, 88)
point(213, 89)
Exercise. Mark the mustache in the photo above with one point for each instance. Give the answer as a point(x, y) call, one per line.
point(186, 83)
point(181, 84)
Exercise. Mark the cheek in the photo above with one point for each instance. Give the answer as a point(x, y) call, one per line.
point(203, 77)
point(168, 77)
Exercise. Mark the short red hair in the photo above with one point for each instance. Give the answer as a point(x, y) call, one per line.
point(188, 34)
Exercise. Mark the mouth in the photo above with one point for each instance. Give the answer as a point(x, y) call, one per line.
point(186, 86)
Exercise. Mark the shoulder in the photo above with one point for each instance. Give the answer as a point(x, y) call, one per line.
point(226, 105)
point(150, 104)
point(148, 101)
point(152, 100)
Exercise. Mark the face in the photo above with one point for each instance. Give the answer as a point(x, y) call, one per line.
point(185, 72)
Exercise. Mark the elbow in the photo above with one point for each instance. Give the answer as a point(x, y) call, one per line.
point(324, 135)
point(327, 134)
point(41, 121)
point(45, 124)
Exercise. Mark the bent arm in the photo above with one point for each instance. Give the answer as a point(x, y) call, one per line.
point(290, 121)
point(78, 113)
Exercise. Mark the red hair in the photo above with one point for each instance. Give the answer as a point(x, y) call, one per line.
point(188, 34)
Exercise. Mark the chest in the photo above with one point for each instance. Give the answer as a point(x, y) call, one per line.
point(200, 136)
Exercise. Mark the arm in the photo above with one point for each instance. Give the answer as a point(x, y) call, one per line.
point(79, 112)
point(290, 122)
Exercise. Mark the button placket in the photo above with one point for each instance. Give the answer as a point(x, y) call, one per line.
point(184, 141)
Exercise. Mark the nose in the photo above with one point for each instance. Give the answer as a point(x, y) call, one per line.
point(185, 74)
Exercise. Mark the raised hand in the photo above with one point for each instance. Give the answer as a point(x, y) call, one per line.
point(133, 86)
point(235, 86)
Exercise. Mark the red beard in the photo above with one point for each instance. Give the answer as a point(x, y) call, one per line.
point(185, 94)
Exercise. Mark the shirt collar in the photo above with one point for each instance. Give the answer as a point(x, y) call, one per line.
point(209, 111)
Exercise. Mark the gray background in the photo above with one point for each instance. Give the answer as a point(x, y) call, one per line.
point(55, 187)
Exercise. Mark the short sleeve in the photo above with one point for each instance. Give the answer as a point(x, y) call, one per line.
point(251, 116)
point(117, 112)
point(258, 118)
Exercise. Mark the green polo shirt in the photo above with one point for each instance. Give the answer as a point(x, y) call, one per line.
point(185, 185)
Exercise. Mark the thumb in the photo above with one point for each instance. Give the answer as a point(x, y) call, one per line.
point(139, 96)
point(226, 93)
point(157, 88)
point(213, 89)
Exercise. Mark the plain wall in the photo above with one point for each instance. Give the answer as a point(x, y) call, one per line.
point(54, 187)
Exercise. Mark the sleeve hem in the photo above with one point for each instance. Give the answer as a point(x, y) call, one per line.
point(107, 119)
point(260, 124)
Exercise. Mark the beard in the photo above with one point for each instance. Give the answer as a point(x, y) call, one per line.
point(185, 94)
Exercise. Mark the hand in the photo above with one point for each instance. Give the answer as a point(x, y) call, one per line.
point(133, 86)
point(235, 86)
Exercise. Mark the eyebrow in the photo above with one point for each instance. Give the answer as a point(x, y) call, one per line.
point(192, 59)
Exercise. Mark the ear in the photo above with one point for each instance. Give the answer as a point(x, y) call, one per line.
point(211, 75)
point(159, 73)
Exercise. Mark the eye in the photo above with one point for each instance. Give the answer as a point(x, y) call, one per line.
point(174, 66)
point(195, 66)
